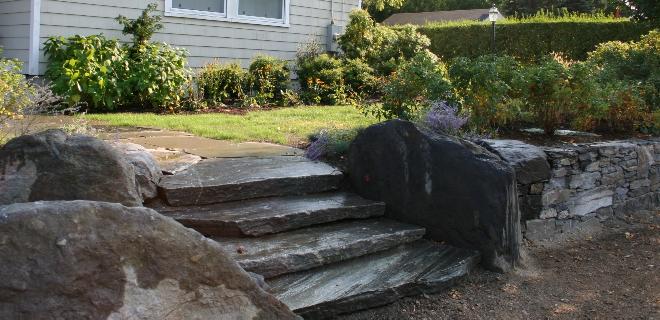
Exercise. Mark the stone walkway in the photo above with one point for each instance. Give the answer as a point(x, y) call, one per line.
point(176, 151)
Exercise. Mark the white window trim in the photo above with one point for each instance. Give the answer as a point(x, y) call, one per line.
point(230, 15)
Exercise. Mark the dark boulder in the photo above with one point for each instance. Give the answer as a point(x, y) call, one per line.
point(460, 192)
point(53, 165)
point(98, 260)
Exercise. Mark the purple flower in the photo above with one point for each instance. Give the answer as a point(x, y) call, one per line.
point(442, 117)
point(318, 148)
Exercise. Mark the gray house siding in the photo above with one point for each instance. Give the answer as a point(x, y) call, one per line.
point(205, 40)
point(15, 30)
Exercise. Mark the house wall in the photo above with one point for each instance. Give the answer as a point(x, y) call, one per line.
point(205, 39)
point(15, 29)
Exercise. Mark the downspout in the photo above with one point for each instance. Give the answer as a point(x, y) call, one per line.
point(35, 37)
point(332, 11)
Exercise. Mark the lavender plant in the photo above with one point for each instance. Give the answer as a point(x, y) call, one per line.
point(319, 147)
point(444, 118)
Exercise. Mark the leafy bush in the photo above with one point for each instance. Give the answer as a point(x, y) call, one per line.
point(550, 92)
point(415, 82)
point(381, 47)
point(92, 70)
point(359, 78)
point(142, 28)
point(106, 76)
point(269, 79)
point(158, 77)
point(633, 62)
point(489, 88)
point(222, 83)
point(15, 92)
point(530, 38)
point(321, 79)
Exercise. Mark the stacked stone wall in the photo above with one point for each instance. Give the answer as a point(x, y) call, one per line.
point(587, 184)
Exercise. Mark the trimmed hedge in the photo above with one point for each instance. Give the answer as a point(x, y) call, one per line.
point(530, 39)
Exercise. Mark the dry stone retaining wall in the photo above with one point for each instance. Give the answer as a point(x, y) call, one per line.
point(590, 183)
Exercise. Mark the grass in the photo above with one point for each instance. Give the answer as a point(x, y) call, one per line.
point(290, 126)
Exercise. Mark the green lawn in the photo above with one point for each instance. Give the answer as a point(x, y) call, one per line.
point(290, 126)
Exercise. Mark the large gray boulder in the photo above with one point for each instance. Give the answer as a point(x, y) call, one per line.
point(147, 170)
point(460, 192)
point(98, 260)
point(53, 165)
point(530, 162)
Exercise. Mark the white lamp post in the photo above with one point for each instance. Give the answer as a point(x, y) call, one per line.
point(493, 15)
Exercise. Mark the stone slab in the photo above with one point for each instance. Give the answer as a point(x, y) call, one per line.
point(373, 280)
point(308, 248)
point(272, 215)
point(224, 180)
point(211, 148)
point(530, 162)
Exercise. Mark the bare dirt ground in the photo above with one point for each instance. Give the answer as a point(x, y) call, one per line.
point(613, 276)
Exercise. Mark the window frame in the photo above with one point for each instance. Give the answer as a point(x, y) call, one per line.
point(230, 14)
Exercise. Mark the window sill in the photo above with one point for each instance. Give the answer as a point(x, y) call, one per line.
point(221, 17)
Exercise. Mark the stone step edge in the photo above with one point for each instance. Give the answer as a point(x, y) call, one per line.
point(278, 187)
point(381, 298)
point(252, 227)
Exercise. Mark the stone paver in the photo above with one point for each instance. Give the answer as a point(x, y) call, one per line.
point(203, 147)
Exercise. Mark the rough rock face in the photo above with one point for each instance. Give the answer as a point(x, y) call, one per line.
point(458, 191)
point(530, 162)
point(147, 170)
point(52, 165)
point(97, 260)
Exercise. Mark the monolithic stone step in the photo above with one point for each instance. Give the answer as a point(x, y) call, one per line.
point(223, 180)
point(258, 217)
point(307, 248)
point(373, 280)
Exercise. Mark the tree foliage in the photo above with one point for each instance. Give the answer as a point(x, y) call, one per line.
point(142, 28)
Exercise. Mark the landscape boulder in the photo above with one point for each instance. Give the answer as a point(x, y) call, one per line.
point(530, 162)
point(98, 260)
point(53, 165)
point(460, 192)
point(147, 170)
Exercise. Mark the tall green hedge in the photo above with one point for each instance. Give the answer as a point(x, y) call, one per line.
point(530, 39)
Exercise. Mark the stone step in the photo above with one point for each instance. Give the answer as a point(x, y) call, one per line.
point(373, 280)
point(262, 216)
point(233, 179)
point(311, 247)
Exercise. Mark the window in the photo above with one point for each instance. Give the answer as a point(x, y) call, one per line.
point(200, 5)
point(272, 9)
point(265, 12)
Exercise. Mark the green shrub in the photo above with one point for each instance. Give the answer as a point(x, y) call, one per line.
point(633, 62)
point(549, 95)
point(321, 79)
point(158, 77)
point(413, 85)
point(222, 83)
point(106, 76)
point(269, 79)
point(15, 91)
point(142, 28)
point(92, 70)
point(489, 88)
point(627, 111)
point(532, 38)
point(359, 78)
point(381, 47)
